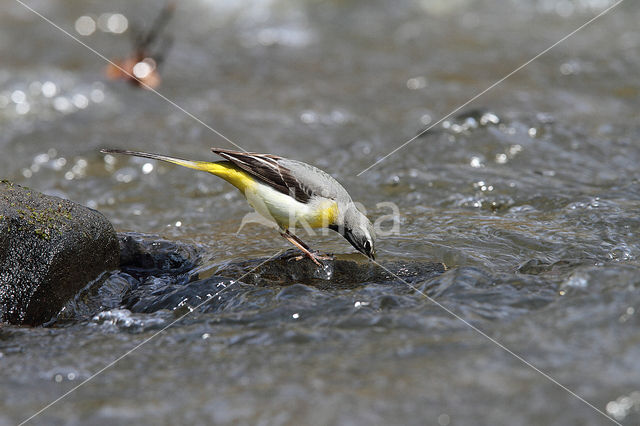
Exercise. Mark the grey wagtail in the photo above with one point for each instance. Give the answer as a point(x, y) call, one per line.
point(286, 192)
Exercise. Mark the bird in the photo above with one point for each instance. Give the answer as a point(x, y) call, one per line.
point(288, 193)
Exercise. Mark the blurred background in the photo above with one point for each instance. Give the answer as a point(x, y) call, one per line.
point(529, 195)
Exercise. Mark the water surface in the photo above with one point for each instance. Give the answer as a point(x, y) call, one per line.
point(529, 196)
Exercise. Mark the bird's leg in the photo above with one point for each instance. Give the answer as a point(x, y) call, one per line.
point(315, 253)
point(301, 245)
point(293, 239)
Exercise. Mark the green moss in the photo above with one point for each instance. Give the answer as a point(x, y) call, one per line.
point(43, 234)
point(45, 221)
point(8, 184)
point(37, 215)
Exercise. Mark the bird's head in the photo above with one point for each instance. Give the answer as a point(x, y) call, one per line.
point(356, 228)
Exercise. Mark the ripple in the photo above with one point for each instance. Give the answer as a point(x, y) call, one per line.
point(123, 319)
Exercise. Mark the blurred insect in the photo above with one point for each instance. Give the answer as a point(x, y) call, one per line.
point(141, 68)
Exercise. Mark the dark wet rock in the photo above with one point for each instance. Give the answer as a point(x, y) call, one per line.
point(338, 273)
point(104, 293)
point(242, 283)
point(144, 255)
point(50, 248)
point(159, 274)
point(205, 295)
point(151, 269)
point(251, 286)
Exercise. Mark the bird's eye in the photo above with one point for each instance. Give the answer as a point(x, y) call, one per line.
point(367, 246)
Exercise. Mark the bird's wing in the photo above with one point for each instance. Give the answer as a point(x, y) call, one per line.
point(267, 169)
point(299, 180)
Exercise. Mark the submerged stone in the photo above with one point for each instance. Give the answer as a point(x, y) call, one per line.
point(157, 274)
point(50, 248)
point(342, 272)
point(144, 255)
point(150, 269)
point(246, 281)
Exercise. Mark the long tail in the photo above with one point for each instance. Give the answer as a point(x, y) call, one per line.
point(224, 169)
point(198, 165)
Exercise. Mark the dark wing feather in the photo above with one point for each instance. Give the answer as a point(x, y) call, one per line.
point(267, 169)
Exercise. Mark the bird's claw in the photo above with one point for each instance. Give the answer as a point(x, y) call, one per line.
point(315, 258)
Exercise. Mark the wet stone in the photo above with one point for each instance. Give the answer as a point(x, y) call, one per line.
point(339, 273)
point(154, 274)
point(205, 295)
point(157, 274)
point(50, 248)
point(144, 255)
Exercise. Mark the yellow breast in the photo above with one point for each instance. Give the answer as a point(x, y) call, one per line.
point(326, 214)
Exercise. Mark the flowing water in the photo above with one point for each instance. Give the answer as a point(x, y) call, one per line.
point(529, 195)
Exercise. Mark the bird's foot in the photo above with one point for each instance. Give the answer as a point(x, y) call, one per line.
point(315, 258)
point(313, 255)
point(323, 257)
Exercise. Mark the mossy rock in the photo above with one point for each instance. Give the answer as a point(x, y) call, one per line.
point(50, 248)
